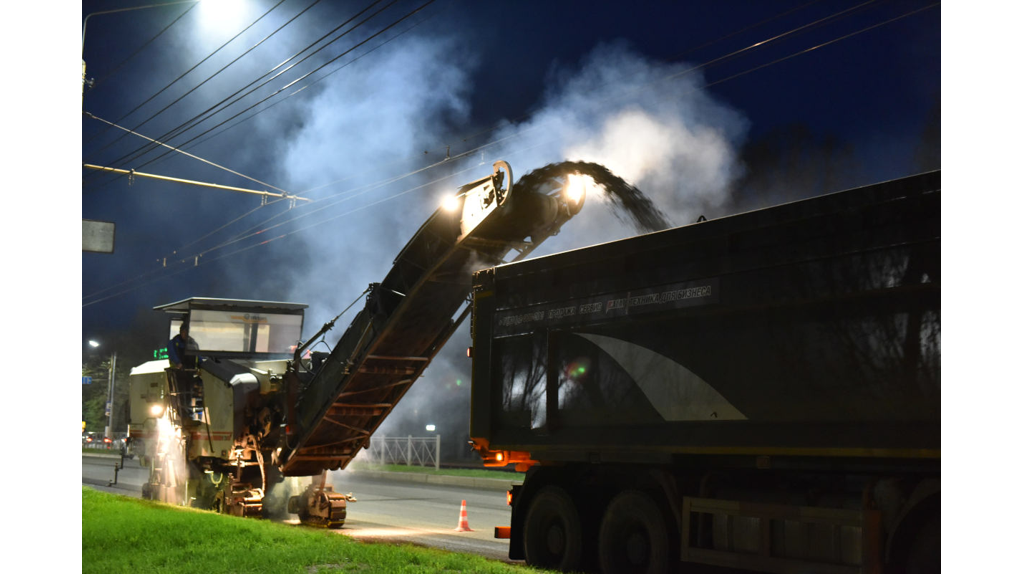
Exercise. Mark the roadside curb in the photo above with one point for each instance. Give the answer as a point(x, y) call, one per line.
point(497, 484)
point(101, 454)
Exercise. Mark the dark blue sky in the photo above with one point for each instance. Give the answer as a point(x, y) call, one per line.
point(455, 71)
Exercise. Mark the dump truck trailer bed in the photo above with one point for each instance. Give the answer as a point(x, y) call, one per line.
point(758, 391)
point(732, 335)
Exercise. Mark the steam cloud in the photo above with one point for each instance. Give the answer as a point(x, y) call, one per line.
point(668, 138)
point(665, 136)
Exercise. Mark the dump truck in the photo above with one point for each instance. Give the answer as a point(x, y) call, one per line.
point(258, 405)
point(758, 391)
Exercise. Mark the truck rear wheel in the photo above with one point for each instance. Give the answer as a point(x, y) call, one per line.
point(634, 537)
point(552, 535)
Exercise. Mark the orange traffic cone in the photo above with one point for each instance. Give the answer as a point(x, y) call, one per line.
point(463, 520)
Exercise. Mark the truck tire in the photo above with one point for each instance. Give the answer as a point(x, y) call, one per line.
point(552, 535)
point(634, 537)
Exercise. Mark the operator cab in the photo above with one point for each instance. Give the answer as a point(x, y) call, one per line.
point(238, 328)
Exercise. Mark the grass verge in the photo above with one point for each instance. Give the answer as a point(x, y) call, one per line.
point(471, 472)
point(99, 450)
point(128, 535)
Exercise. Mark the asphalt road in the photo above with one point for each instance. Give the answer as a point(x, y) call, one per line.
point(387, 510)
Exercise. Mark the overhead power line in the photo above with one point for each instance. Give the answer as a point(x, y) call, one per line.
point(293, 82)
point(213, 110)
point(134, 173)
point(199, 261)
point(823, 44)
point(208, 162)
point(163, 260)
point(97, 83)
point(187, 72)
point(318, 80)
point(742, 30)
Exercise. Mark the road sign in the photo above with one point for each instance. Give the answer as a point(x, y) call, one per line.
point(86, 380)
point(97, 236)
point(107, 412)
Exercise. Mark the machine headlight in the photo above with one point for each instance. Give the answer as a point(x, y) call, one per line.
point(450, 203)
point(575, 191)
point(156, 409)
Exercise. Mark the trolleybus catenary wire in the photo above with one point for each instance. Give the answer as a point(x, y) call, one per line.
point(197, 261)
point(626, 93)
point(314, 82)
point(206, 161)
point(271, 202)
point(823, 44)
point(97, 83)
point(141, 151)
point(213, 110)
point(285, 87)
point(267, 203)
point(706, 64)
point(465, 138)
point(208, 260)
point(190, 70)
point(501, 124)
point(720, 59)
point(475, 150)
point(740, 31)
point(350, 194)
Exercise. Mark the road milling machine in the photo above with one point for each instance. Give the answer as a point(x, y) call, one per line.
point(260, 406)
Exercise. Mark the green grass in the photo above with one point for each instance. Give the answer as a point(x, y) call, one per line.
point(128, 535)
point(471, 472)
point(88, 450)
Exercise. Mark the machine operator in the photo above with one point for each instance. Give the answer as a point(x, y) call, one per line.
point(177, 347)
point(181, 352)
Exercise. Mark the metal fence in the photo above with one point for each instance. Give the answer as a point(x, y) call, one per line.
point(418, 451)
point(94, 441)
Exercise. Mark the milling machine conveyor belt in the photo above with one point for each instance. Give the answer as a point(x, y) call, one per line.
point(409, 316)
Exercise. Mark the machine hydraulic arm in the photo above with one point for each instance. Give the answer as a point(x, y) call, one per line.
point(409, 315)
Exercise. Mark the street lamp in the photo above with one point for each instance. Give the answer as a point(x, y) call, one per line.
point(108, 431)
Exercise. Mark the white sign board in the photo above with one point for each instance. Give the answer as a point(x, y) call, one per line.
point(97, 236)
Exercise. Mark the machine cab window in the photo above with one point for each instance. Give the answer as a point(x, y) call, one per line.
point(238, 328)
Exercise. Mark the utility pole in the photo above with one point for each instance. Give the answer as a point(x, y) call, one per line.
point(110, 397)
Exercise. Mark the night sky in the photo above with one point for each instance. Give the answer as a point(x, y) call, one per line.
point(710, 108)
point(710, 111)
point(453, 77)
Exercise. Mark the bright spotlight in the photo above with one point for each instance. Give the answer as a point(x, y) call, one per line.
point(577, 187)
point(93, 344)
point(430, 428)
point(222, 13)
point(156, 410)
point(450, 203)
point(575, 191)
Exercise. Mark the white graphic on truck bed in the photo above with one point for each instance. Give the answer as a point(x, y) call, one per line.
point(676, 392)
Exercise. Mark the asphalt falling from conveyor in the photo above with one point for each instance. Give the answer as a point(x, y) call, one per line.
point(628, 202)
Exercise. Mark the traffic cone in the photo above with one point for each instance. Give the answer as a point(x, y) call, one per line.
point(463, 520)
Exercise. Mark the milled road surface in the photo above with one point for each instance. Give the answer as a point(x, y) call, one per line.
point(387, 510)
